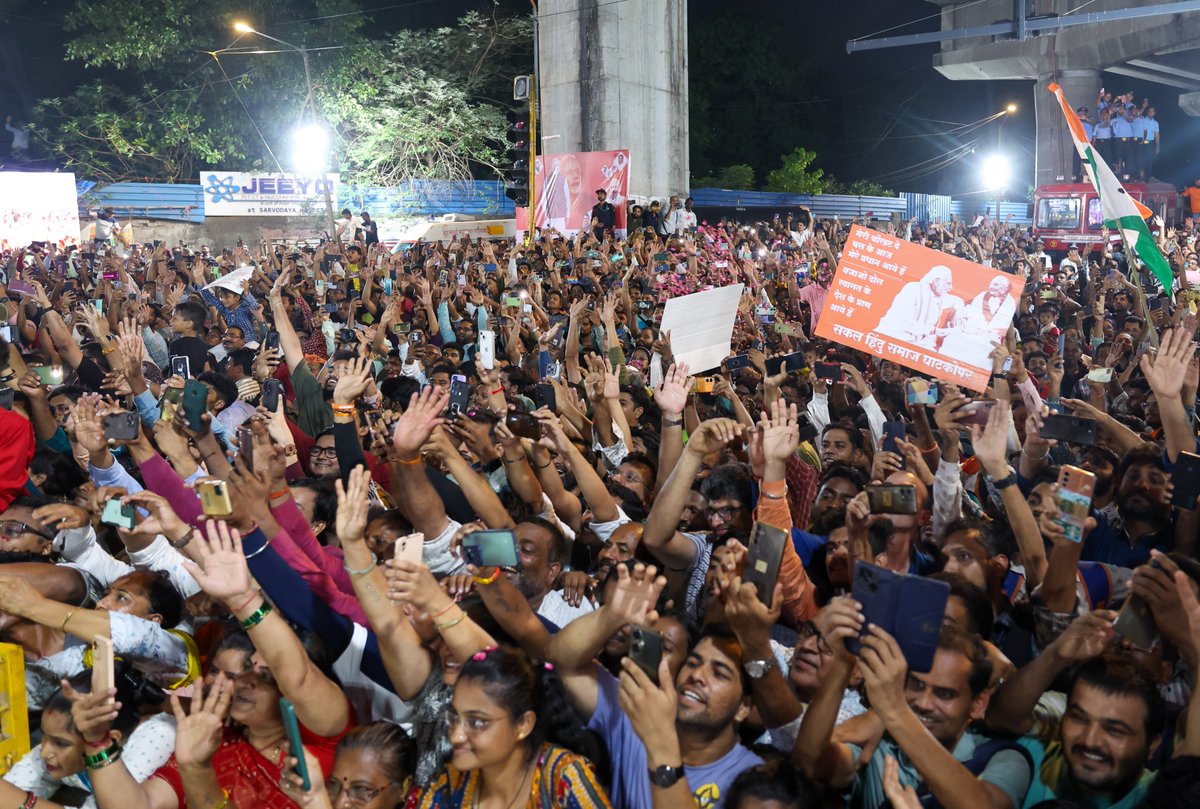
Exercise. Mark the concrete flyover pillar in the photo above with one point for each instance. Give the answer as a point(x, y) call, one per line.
point(615, 76)
point(1054, 147)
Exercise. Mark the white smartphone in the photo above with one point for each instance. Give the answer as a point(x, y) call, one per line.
point(487, 349)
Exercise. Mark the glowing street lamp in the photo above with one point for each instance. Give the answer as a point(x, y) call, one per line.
point(310, 149)
point(995, 172)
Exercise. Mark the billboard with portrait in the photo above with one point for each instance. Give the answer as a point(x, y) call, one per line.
point(38, 206)
point(566, 186)
point(918, 307)
point(235, 193)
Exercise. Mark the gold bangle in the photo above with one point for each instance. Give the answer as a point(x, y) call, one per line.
point(442, 627)
point(69, 614)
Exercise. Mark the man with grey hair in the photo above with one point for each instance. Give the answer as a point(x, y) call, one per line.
point(922, 309)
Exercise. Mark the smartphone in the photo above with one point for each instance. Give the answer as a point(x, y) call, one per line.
point(762, 562)
point(181, 366)
point(295, 746)
point(195, 402)
point(829, 370)
point(909, 608)
point(738, 361)
point(49, 374)
point(1135, 623)
point(705, 384)
point(331, 308)
point(545, 396)
point(245, 439)
point(1103, 375)
point(24, 288)
point(511, 301)
point(1074, 500)
point(1076, 429)
point(272, 340)
point(491, 548)
point(401, 328)
point(487, 349)
point(104, 665)
point(410, 548)
point(893, 430)
point(791, 362)
point(920, 392)
point(121, 426)
point(1186, 478)
point(214, 498)
point(272, 389)
point(6, 398)
point(523, 424)
point(117, 514)
point(892, 498)
point(808, 430)
point(645, 649)
point(976, 412)
point(9, 333)
point(169, 402)
point(460, 394)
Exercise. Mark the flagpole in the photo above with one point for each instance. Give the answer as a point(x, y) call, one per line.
point(1130, 259)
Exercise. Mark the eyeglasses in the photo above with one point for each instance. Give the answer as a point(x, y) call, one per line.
point(470, 724)
point(356, 794)
point(724, 512)
point(808, 630)
point(12, 529)
point(328, 451)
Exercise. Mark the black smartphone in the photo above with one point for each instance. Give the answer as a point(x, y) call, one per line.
point(789, 362)
point(121, 426)
point(545, 396)
point(738, 361)
point(347, 336)
point(1186, 479)
point(890, 498)
point(491, 548)
point(525, 425)
point(245, 438)
point(808, 430)
point(6, 398)
point(763, 559)
point(829, 370)
point(273, 340)
point(181, 366)
point(1135, 623)
point(272, 389)
point(893, 430)
point(645, 649)
point(909, 608)
point(460, 395)
point(195, 402)
point(1075, 429)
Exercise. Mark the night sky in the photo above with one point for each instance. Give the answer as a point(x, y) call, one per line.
point(884, 111)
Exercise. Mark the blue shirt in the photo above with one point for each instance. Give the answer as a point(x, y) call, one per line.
point(1122, 128)
point(1102, 131)
point(242, 317)
point(1109, 543)
point(1150, 129)
point(806, 544)
point(1087, 128)
point(630, 787)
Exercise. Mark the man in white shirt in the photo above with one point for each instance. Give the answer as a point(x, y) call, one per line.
point(20, 138)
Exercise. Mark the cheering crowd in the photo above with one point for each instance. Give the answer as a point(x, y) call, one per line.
point(454, 521)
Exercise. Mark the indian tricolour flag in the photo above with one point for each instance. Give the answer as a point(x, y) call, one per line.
point(1121, 211)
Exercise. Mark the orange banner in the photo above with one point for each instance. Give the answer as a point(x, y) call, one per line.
point(920, 308)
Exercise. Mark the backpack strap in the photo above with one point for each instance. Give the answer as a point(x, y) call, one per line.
point(978, 763)
point(1097, 584)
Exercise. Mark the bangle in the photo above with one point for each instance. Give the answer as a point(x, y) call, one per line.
point(461, 617)
point(512, 460)
point(255, 618)
point(343, 410)
point(365, 570)
point(929, 448)
point(488, 579)
point(411, 461)
point(69, 614)
point(672, 422)
point(109, 754)
point(182, 542)
point(281, 493)
point(290, 449)
point(443, 610)
point(543, 465)
point(1038, 458)
point(224, 800)
point(246, 603)
point(266, 545)
point(30, 801)
point(496, 392)
point(770, 496)
point(102, 742)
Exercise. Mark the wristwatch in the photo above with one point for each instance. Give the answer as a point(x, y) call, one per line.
point(1003, 483)
point(757, 669)
point(666, 776)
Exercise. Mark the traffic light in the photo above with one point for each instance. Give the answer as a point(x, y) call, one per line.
point(516, 177)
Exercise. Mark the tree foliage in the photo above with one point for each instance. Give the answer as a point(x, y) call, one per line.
point(794, 176)
point(174, 90)
point(739, 177)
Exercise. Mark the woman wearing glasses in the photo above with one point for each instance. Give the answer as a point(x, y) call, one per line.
point(515, 740)
point(372, 770)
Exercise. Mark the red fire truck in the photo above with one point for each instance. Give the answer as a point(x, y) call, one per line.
point(1069, 213)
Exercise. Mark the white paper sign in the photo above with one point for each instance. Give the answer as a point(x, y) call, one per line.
point(701, 326)
point(234, 281)
point(233, 193)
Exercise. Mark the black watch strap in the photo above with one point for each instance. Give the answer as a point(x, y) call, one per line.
point(666, 776)
point(1003, 483)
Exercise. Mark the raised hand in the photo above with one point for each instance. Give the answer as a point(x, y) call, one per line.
point(222, 571)
point(780, 432)
point(713, 435)
point(635, 595)
point(353, 504)
point(198, 734)
point(1167, 370)
point(353, 381)
point(424, 413)
point(671, 396)
point(991, 442)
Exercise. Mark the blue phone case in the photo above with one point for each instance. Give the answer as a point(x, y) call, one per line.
point(292, 727)
point(909, 608)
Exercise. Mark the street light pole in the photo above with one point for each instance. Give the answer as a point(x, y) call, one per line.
point(312, 108)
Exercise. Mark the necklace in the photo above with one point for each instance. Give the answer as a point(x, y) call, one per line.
point(520, 787)
point(274, 757)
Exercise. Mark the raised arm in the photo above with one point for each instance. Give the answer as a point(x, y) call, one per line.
point(289, 342)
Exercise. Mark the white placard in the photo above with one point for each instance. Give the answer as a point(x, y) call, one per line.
point(234, 193)
point(701, 326)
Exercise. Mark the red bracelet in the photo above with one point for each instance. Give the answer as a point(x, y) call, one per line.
point(280, 493)
point(245, 603)
point(496, 391)
point(105, 742)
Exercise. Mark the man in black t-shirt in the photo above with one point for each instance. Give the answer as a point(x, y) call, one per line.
point(604, 215)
